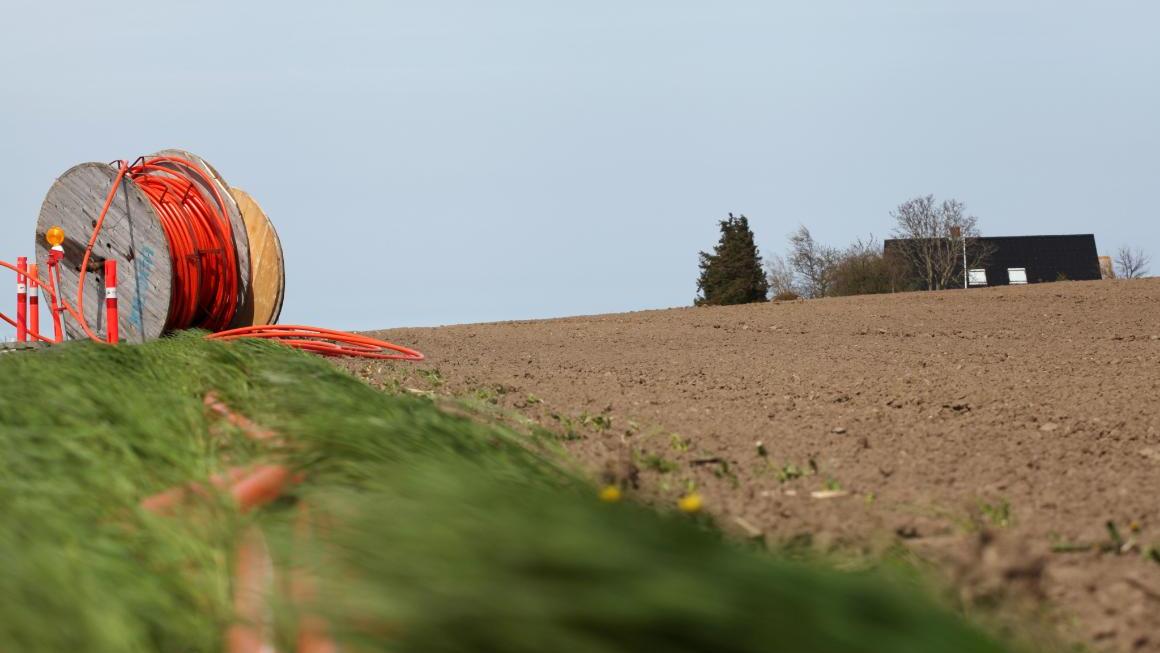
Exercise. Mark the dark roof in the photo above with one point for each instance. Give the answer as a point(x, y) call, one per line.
point(1091, 237)
point(1049, 257)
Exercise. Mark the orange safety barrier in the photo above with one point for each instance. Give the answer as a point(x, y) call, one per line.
point(33, 302)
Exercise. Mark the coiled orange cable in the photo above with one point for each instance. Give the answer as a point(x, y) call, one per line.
point(205, 281)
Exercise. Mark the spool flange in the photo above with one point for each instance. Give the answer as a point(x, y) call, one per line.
point(131, 234)
point(267, 265)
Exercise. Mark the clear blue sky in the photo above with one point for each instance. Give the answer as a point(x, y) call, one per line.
point(443, 162)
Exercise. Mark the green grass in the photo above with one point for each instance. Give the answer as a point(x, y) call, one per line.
point(443, 533)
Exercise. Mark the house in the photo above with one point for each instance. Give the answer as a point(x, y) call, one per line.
point(1014, 260)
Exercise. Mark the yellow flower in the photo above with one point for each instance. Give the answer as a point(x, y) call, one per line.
point(690, 503)
point(610, 494)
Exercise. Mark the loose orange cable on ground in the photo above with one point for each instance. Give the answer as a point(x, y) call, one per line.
point(253, 581)
point(326, 342)
point(313, 629)
point(250, 488)
point(252, 430)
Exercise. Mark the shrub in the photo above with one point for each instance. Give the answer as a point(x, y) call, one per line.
point(864, 270)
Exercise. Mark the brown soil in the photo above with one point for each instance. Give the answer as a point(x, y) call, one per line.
point(988, 430)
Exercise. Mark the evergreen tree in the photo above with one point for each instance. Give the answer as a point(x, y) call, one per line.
point(732, 274)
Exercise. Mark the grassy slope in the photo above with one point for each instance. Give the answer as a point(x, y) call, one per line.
point(445, 534)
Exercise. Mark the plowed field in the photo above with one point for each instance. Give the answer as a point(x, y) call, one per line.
point(997, 432)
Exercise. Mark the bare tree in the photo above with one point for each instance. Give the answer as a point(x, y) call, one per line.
point(932, 237)
point(782, 280)
point(1132, 263)
point(813, 262)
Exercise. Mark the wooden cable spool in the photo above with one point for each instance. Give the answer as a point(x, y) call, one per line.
point(132, 235)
